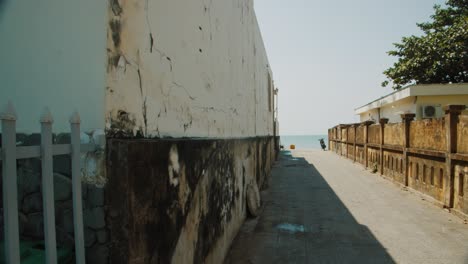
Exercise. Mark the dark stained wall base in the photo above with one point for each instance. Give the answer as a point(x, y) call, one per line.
point(180, 200)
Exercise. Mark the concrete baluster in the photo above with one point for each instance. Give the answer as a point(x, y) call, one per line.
point(452, 112)
point(382, 122)
point(406, 120)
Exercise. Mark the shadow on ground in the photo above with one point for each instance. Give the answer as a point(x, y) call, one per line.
point(304, 221)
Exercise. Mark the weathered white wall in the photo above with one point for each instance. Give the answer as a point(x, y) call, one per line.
point(369, 115)
point(393, 112)
point(52, 54)
point(187, 68)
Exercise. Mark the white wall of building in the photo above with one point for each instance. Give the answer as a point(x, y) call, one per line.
point(182, 68)
point(188, 68)
point(412, 99)
point(53, 53)
point(439, 102)
point(393, 111)
point(413, 104)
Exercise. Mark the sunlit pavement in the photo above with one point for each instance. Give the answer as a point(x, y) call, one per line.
point(321, 208)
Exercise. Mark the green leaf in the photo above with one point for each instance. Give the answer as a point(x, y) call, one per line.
point(440, 55)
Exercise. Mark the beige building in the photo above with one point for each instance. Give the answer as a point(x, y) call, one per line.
point(426, 101)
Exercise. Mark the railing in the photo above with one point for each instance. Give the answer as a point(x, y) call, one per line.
point(428, 156)
point(10, 153)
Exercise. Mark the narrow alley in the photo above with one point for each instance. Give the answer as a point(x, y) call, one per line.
point(321, 208)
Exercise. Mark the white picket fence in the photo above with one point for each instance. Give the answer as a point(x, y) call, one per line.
point(10, 153)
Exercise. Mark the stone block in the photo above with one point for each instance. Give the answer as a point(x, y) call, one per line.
point(32, 203)
point(64, 216)
point(61, 208)
point(34, 225)
point(84, 191)
point(94, 218)
point(89, 236)
point(62, 165)
point(20, 193)
point(29, 180)
point(102, 236)
point(64, 238)
point(22, 222)
point(62, 187)
point(33, 164)
point(95, 196)
point(65, 221)
point(98, 254)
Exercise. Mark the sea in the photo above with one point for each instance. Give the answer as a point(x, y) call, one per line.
point(303, 141)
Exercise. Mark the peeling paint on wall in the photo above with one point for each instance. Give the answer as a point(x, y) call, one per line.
point(189, 80)
point(189, 194)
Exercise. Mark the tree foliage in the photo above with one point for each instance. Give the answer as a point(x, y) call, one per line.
point(440, 55)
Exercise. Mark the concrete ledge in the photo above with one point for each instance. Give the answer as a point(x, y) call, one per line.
point(426, 197)
point(460, 214)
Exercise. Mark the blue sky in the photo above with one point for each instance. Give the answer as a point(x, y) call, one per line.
point(328, 56)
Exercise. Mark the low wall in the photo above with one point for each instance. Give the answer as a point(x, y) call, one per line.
point(462, 134)
point(428, 134)
point(427, 176)
point(180, 201)
point(393, 166)
point(460, 187)
point(374, 134)
point(429, 156)
point(360, 157)
point(394, 134)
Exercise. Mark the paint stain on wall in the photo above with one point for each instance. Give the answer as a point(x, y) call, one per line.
point(291, 228)
point(174, 167)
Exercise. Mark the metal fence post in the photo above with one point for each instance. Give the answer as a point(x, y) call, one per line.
point(76, 185)
point(48, 187)
point(10, 189)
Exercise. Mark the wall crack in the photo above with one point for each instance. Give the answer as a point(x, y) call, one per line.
point(144, 107)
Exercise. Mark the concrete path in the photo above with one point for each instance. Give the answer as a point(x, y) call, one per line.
point(321, 208)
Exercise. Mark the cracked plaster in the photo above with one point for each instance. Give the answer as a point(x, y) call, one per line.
point(169, 87)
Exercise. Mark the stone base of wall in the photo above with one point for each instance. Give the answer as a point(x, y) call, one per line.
point(180, 200)
point(426, 175)
point(460, 205)
point(393, 166)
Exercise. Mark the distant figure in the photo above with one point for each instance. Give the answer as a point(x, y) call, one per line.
point(281, 147)
point(322, 144)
